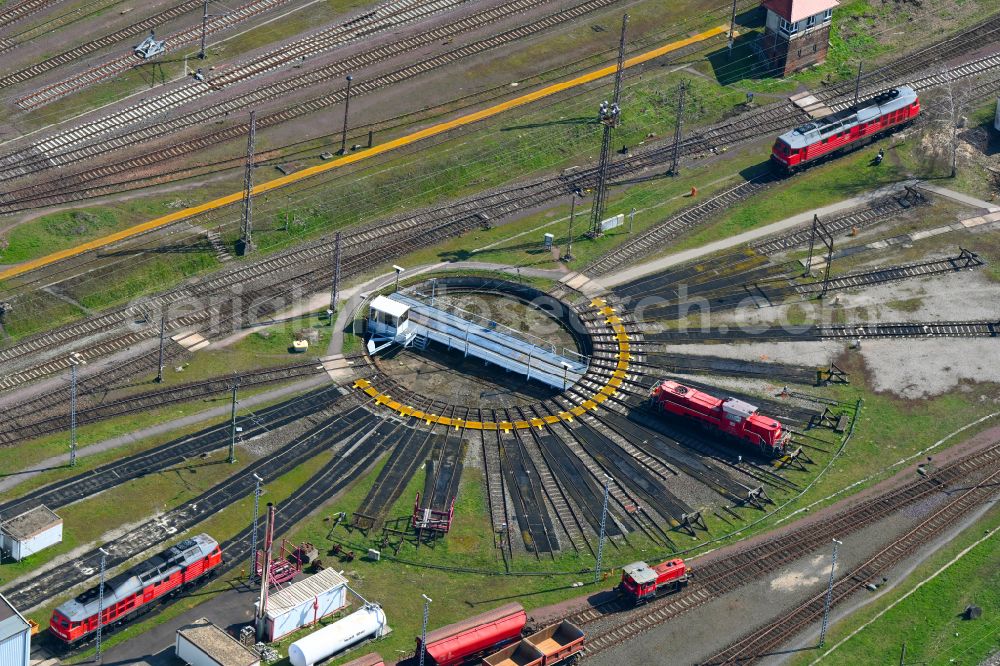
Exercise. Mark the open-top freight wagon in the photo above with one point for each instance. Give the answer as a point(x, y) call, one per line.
point(559, 643)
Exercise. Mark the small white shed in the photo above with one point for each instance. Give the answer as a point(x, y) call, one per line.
point(30, 532)
point(201, 643)
point(305, 603)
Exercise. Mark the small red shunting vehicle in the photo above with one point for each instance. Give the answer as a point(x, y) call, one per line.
point(641, 582)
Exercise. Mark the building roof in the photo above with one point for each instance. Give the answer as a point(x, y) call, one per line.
point(389, 306)
point(30, 523)
point(217, 644)
point(304, 591)
point(11, 622)
point(796, 10)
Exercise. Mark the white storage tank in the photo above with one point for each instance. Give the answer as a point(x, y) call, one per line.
point(15, 636)
point(369, 622)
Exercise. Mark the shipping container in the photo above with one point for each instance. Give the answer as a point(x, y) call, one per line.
point(305, 603)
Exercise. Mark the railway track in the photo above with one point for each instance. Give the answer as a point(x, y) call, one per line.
point(176, 452)
point(968, 41)
point(654, 238)
point(725, 575)
point(873, 213)
point(140, 28)
point(964, 261)
point(92, 8)
point(36, 424)
point(462, 215)
point(73, 186)
point(124, 63)
point(15, 12)
point(390, 15)
point(870, 330)
point(766, 640)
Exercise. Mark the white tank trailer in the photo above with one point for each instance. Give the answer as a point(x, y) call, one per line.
point(369, 622)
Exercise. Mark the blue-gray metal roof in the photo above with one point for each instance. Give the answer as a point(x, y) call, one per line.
point(881, 104)
point(11, 622)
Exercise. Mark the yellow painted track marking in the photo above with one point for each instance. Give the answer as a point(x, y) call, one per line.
point(609, 389)
point(419, 135)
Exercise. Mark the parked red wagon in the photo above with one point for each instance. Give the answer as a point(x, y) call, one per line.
point(473, 638)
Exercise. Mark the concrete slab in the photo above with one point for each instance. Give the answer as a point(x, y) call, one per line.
point(927, 233)
point(960, 197)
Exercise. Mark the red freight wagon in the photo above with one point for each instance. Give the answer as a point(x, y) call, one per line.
point(474, 637)
point(641, 582)
point(558, 643)
point(728, 415)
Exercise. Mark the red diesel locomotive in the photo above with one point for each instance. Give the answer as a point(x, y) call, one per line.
point(136, 591)
point(641, 583)
point(843, 131)
point(728, 415)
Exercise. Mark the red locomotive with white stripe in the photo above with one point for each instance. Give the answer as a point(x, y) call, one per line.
point(727, 415)
point(136, 591)
point(846, 130)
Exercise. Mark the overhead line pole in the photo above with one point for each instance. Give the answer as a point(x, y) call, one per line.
point(732, 30)
point(604, 520)
point(569, 233)
point(678, 129)
point(609, 116)
point(245, 244)
point(100, 602)
point(159, 365)
point(857, 85)
point(232, 438)
point(335, 289)
point(347, 108)
point(204, 27)
point(829, 596)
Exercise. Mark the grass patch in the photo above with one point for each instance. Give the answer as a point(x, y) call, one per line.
point(929, 621)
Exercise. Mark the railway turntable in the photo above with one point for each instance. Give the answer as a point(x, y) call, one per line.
point(570, 457)
point(414, 322)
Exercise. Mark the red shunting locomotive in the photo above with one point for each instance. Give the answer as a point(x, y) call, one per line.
point(136, 591)
point(641, 583)
point(728, 415)
point(846, 130)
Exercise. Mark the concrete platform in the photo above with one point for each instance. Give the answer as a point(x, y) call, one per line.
point(812, 106)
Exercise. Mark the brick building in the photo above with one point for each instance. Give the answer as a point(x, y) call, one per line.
point(796, 34)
